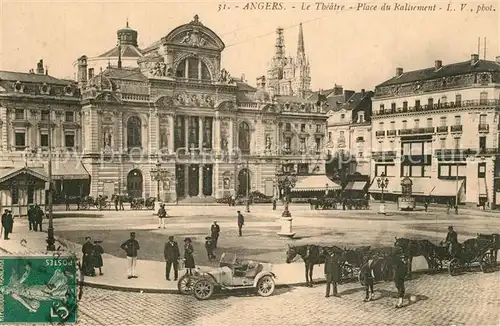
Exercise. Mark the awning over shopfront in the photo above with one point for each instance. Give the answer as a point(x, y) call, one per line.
point(355, 185)
point(482, 188)
point(69, 171)
point(316, 183)
point(11, 172)
point(443, 188)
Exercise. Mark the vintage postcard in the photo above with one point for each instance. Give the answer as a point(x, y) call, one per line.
point(249, 162)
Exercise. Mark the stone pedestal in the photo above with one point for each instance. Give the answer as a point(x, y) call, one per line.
point(381, 209)
point(286, 228)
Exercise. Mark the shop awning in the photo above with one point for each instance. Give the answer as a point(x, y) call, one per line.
point(355, 185)
point(482, 188)
point(316, 183)
point(446, 188)
point(69, 171)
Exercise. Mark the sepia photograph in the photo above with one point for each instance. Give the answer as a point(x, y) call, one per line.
point(252, 163)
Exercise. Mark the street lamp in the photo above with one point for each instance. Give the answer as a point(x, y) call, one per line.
point(248, 188)
point(382, 183)
point(50, 231)
point(157, 177)
point(286, 181)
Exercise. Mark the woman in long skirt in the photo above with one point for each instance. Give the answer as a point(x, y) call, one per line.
point(98, 251)
point(188, 256)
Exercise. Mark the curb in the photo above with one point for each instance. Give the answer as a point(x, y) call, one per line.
point(174, 291)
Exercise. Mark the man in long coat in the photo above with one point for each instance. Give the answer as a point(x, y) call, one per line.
point(172, 254)
point(332, 273)
point(214, 232)
point(88, 257)
point(7, 224)
point(452, 241)
point(38, 218)
point(31, 217)
point(241, 222)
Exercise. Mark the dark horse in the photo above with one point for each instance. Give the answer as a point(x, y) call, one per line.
point(311, 255)
point(414, 248)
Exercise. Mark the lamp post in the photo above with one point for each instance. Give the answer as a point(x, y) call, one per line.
point(50, 231)
point(286, 181)
point(382, 183)
point(248, 188)
point(157, 177)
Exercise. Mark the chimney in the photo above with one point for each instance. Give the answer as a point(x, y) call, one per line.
point(474, 58)
point(46, 70)
point(497, 59)
point(338, 90)
point(362, 92)
point(438, 64)
point(91, 73)
point(243, 77)
point(82, 69)
point(32, 71)
point(39, 67)
point(399, 72)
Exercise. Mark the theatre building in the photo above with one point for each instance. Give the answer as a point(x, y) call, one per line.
point(180, 127)
point(32, 105)
point(439, 126)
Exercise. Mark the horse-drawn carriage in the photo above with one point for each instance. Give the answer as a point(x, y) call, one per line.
point(360, 203)
point(232, 274)
point(100, 202)
point(140, 203)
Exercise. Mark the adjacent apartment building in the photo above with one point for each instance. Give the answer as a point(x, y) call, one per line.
point(439, 126)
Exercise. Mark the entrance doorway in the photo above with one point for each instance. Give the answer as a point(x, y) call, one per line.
point(194, 186)
point(243, 182)
point(134, 183)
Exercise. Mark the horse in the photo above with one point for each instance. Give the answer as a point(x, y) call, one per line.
point(311, 255)
point(495, 238)
point(414, 248)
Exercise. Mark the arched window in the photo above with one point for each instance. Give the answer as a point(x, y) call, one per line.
point(134, 132)
point(193, 68)
point(244, 137)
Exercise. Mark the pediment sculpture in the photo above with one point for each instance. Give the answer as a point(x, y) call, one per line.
point(195, 38)
point(224, 76)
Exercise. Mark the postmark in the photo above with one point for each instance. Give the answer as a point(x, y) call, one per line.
point(38, 289)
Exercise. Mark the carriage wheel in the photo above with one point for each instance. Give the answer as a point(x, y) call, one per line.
point(203, 289)
point(454, 267)
point(185, 284)
point(347, 273)
point(485, 262)
point(265, 286)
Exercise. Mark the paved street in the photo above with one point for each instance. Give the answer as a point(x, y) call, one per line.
point(469, 299)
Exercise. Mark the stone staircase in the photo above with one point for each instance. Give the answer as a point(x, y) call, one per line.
point(195, 200)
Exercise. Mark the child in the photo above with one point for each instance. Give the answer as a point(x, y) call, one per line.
point(98, 251)
point(209, 246)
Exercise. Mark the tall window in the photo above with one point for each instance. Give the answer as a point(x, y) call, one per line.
point(303, 127)
point(380, 126)
point(31, 195)
point(69, 116)
point(417, 123)
point(44, 139)
point(288, 143)
point(457, 143)
point(458, 99)
point(361, 117)
point(393, 106)
point(134, 137)
point(404, 124)
point(69, 140)
point(482, 119)
point(430, 102)
point(405, 105)
point(318, 144)
point(417, 104)
point(19, 114)
point(45, 115)
point(443, 143)
point(458, 120)
point(429, 122)
point(244, 137)
point(393, 125)
point(14, 192)
point(20, 140)
point(193, 68)
point(381, 108)
point(318, 128)
point(443, 121)
point(302, 145)
point(483, 98)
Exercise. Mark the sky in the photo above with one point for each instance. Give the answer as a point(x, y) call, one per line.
point(355, 49)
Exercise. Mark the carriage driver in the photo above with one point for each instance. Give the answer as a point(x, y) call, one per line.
point(451, 241)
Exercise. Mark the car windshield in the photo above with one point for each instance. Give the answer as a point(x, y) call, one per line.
point(228, 258)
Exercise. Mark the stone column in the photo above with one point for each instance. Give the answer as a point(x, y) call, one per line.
point(199, 69)
point(200, 181)
point(231, 135)
point(186, 67)
point(186, 180)
point(277, 143)
point(216, 135)
point(171, 133)
point(200, 133)
point(186, 132)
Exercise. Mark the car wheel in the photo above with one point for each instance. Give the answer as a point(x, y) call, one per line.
point(265, 286)
point(185, 284)
point(203, 289)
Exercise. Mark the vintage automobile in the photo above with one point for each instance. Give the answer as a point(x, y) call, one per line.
point(232, 274)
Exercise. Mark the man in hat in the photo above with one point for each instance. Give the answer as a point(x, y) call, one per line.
point(162, 213)
point(332, 273)
point(88, 257)
point(241, 222)
point(171, 253)
point(31, 217)
point(7, 224)
point(214, 232)
point(451, 241)
point(400, 271)
point(368, 274)
point(131, 246)
point(38, 218)
point(209, 246)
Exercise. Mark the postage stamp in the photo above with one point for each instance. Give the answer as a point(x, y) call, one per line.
point(38, 289)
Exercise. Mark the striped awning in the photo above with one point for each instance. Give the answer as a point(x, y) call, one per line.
point(445, 188)
point(355, 185)
point(71, 170)
point(316, 183)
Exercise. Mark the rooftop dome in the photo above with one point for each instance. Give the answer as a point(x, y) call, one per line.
point(127, 35)
point(127, 41)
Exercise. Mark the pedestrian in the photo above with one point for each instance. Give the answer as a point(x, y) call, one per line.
point(98, 251)
point(120, 202)
point(31, 217)
point(172, 254)
point(369, 277)
point(66, 201)
point(448, 206)
point(451, 241)
point(38, 218)
point(131, 246)
point(209, 246)
point(400, 270)
point(332, 273)
point(162, 213)
point(7, 224)
point(88, 257)
point(188, 256)
point(214, 232)
point(426, 205)
point(116, 202)
point(241, 222)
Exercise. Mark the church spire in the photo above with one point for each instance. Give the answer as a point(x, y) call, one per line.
point(300, 46)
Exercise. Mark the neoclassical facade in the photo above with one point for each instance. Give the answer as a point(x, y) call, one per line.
point(181, 125)
point(439, 126)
